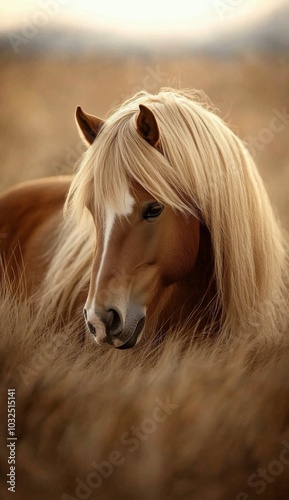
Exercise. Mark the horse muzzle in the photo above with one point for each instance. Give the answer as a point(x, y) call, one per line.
point(109, 328)
point(131, 342)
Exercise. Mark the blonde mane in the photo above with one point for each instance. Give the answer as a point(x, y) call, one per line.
point(203, 169)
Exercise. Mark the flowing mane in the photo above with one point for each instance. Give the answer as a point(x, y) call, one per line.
point(202, 169)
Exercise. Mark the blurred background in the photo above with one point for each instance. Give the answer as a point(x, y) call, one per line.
point(56, 54)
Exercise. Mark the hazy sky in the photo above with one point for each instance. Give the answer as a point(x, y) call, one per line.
point(134, 16)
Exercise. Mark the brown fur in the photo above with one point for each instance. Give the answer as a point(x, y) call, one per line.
point(29, 216)
point(165, 265)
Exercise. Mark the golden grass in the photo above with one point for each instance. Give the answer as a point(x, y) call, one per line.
point(175, 423)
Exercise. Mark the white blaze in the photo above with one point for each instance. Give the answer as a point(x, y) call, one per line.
point(110, 218)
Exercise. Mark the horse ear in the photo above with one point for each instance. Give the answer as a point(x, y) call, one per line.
point(147, 126)
point(88, 125)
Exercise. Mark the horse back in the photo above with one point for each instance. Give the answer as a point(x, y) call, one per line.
point(30, 215)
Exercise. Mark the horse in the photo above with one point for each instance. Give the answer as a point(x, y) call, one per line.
point(167, 226)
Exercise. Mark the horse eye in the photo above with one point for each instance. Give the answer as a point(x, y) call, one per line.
point(152, 211)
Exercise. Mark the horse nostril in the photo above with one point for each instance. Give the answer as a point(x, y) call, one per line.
point(113, 322)
point(110, 318)
point(91, 328)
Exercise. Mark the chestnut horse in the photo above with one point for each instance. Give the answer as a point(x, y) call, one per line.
point(167, 224)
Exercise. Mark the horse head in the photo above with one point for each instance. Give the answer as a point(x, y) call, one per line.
point(145, 253)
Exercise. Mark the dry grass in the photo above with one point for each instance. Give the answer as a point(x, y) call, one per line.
point(77, 404)
point(78, 407)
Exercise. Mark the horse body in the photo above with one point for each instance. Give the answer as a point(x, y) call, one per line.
point(29, 217)
point(167, 225)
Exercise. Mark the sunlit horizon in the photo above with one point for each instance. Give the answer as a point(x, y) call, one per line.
point(155, 18)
